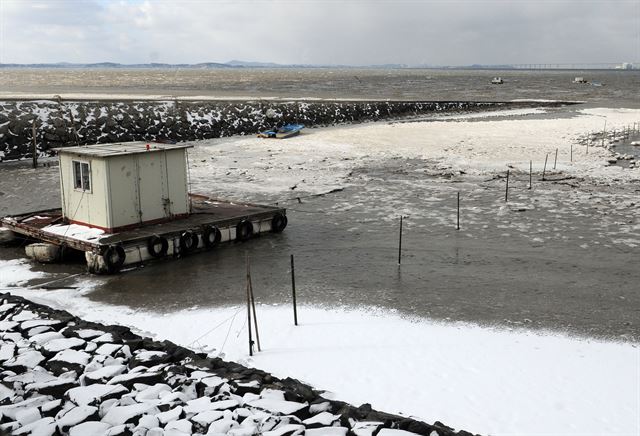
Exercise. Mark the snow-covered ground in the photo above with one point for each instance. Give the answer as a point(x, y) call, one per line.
point(492, 381)
point(319, 159)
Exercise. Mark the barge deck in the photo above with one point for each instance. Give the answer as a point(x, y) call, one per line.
point(210, 222)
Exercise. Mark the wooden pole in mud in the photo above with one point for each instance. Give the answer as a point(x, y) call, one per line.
point(35, 146)
point(571, 157)
point(293, 291)
point(588, 141)
point(458, 221)
point(253, 308)
point(530, 174)
point(506, 191)
point(544, 170)
point(555, 161)
point(249, 311)
point(400, 243)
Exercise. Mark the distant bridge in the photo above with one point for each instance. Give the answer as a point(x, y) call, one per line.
point(576, 66)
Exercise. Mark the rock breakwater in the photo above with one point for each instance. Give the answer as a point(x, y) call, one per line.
point(63, 123)
point(61, 375)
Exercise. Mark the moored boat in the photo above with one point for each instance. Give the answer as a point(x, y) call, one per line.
point(286, 131)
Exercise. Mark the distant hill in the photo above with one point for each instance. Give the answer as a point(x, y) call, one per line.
point(114, 65)
point(201, 65)
point(236, 63)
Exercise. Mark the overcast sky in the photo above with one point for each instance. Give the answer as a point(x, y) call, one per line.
point(351, 32)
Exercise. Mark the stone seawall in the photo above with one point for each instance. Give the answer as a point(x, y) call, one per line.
point(63, 123)
point(64, 376)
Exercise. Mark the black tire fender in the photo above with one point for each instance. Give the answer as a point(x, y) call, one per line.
point(188, 241)
point(244, 230)
point(279, 222)
point(152, 246)
point(211, 236)
point(114, 257)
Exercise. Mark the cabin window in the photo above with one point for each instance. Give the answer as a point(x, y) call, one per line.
point(81, 175)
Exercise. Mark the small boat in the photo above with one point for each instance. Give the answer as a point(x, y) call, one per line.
point(286, 131)
point(580, 80)
point(497, 81)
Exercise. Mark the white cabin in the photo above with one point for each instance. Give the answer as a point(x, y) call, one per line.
point(121, 186)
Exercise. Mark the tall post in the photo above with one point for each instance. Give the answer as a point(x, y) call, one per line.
point(544, 170)
point(249, 311)
point(506, 191)
point(555, 160)
point(400, 243)
point(255, 316)
point(458, 221)
point(571, 156)
point(293, 290)
point(588, 141)
point(35, 146)
point(530, 174)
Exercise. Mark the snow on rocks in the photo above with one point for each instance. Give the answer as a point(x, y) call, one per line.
point(54, 383)
point(94, 394)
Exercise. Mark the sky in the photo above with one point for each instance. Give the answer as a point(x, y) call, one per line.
point(321, 32)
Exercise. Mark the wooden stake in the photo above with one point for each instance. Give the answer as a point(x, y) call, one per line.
point(253, 308)
point(571, 158)
point(400, 243)
point(35, 146)
point(530, 174)
point(293, 290)
point(506, 191)
point(555, 161)
point(544, 170)
point(458, 222)
point(249, 311)
point(588, 141)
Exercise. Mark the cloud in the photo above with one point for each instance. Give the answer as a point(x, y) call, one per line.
point(354, 32)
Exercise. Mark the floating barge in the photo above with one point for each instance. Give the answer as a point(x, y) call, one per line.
point(126, 204)
point(212, 222)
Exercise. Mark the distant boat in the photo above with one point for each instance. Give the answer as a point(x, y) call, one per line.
point(497, 81)
point(580, 80)
point(286, 131)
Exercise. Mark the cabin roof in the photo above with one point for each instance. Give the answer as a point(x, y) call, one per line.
point(119, 148)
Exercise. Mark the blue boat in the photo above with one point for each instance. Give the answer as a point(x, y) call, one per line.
point(286, 131)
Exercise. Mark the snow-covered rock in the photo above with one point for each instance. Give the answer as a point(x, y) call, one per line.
point(125, 414)
point(95, 393)
point(89, 428)
point(76, 415)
